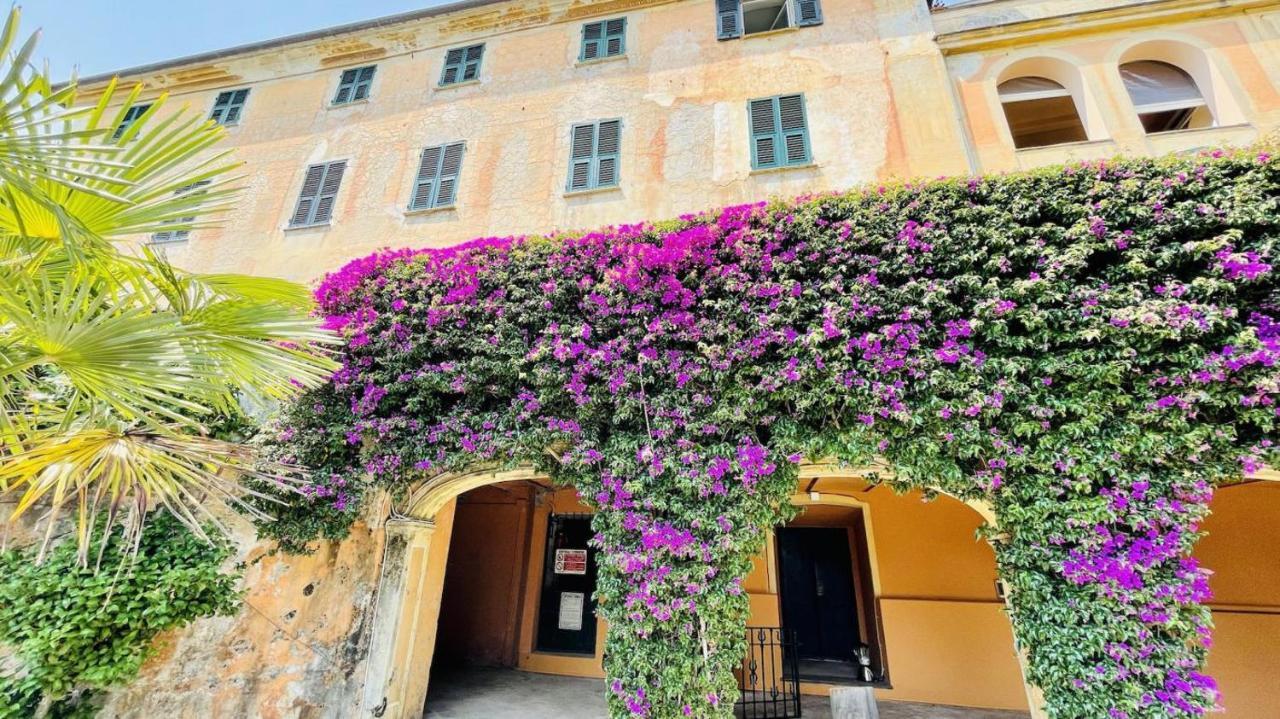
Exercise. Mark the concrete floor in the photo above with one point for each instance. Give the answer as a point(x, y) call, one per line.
point(510, 694)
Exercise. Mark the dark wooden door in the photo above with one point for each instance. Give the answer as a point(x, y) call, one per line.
point(818, 598)
point(567, 609)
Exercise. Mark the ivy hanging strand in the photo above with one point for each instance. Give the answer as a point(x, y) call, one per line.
point(1090, 349)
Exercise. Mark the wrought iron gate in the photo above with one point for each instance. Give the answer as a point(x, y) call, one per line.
point(769, 677)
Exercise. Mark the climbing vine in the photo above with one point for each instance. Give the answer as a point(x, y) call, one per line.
point(76, 631)
point(1091, 349)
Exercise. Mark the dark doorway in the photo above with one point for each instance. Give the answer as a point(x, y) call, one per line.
point(567, 606)
point(819, 601)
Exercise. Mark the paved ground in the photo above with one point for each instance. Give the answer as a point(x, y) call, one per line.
point(508, 694)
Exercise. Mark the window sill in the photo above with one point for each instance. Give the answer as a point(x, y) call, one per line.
point(312, 226)
point(1201, 130)
point(340, 105)
point(167, 243)
point(783, 168)
point(600, 60)
point(460, 83)
point(411, 212)
point(593, 191)
point(768, 33)
point(1064, 145)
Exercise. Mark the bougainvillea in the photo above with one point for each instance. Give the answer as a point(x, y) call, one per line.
point(1090, 349)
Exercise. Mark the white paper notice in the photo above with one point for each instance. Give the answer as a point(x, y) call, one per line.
point(571, 610)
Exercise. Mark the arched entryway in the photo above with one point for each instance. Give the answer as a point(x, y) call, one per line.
point(923, 605)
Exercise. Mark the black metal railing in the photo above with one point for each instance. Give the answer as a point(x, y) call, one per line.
point(769, 677)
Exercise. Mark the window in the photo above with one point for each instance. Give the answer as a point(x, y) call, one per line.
point(319, 188)
point(1165, 96)
point(461, 64)
point(735, 18)
point(179, 235)
point(779, 132)
point(132, 115)
point(228, 106)
point(1040, 112)
point(354, 85)
point(594, 155)
point(437, 181)
point(607, 38)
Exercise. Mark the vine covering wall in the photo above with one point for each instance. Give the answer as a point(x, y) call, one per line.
point(1091, 349)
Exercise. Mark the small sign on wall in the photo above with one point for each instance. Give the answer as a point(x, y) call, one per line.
point(571, 561)
point(571, 604)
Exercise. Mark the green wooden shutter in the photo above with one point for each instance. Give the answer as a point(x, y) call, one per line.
point(794, 129)
point(592, 41)
point(437, 181)
point(160, 238)
point(471, 65)
point(582, 141)
point(346, 83)
point(615, 37)
point(808, 12)
point(354, 84)
point(364, 83)
point(228, 106)
point(764, 132)
point(608, 146)
point(728, 19)
point(462, 64)
point(319, 191)
point(132, 115)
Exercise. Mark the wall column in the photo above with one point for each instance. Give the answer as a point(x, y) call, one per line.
point(392, 673)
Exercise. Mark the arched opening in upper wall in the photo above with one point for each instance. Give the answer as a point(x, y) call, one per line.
point(1174, 85)
point(1045, 103)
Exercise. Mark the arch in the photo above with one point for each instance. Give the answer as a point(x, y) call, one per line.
point(428, 497)
point(1046, 90)
point(1189, 57)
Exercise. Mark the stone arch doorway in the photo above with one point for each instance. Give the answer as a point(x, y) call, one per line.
point(911, 615)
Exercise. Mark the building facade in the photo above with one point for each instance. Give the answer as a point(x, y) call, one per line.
point(526, 117)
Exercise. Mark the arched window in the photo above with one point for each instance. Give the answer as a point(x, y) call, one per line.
point(1165, 96)
point(1040, 112)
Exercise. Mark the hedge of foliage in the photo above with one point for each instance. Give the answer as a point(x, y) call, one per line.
point(1091, 349)
point(77, 631)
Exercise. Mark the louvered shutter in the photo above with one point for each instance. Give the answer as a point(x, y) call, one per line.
point(583, 147)
point(346, 83)
point(428, 175)
point(608, 138)
point(808, 12)
point(794, 129)
point(615, 34)
point(452, 65)
point(329, 191)
point(450, 168)
point(764, 133)
point(728, 19)
point(472, 68)
point(220, 107)
point(307, 198)
point(592, 37)
point(364, 81)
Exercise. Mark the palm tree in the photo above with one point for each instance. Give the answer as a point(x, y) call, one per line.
point(113, 361)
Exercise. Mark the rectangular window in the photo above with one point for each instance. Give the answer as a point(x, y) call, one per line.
point(461, 64)
point(160, 238)
point(132, 115)
point(437, 181)
point(779, 132)
point(228, 106)
point(735, 18)
point(607, 38)
point(354, 85)
point(594, 155)
point(319, 190)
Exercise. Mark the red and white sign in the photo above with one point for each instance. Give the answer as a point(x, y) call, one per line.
point(571, 561)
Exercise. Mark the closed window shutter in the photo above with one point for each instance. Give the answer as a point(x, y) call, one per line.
point(592, 37)
point(462, 64)
point(329, 191)
point(319, 191)
point(472, 69)
point(764, 133)
point(795, 131)
point(608, 139)
point(808, 12)
point(180, 235)
point(363, 83)
point(130, 116)
point(583, 147)
point(228, 105)
point(450, 168)
point(428, 175)
point(615, 34)
point(345, 85)
point(728, 19)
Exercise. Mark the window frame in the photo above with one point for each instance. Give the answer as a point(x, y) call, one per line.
point(731, 17)
point(779, 134)
point(593, 160)
point(602, 42)
point(231, 105)
point(171, 237)
point(436, 178)
point(354, 85)
point(318, 196)
point(130, 118)
point(461, 65)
